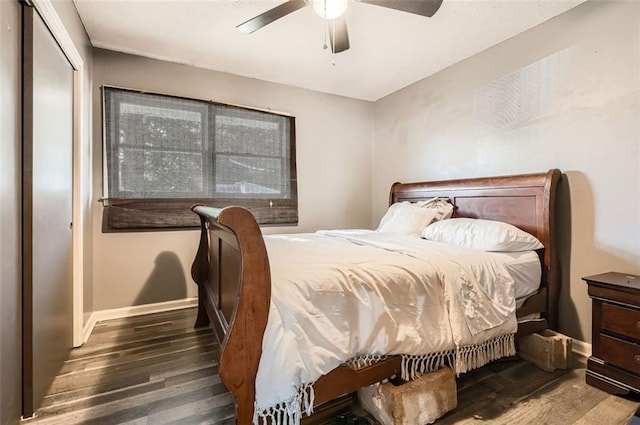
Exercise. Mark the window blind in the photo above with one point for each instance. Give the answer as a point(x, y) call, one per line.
point(165, 153)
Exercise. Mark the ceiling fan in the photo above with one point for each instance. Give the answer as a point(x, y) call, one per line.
point(333, 12)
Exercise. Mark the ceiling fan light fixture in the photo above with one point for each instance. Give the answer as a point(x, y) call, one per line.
point(329, 9)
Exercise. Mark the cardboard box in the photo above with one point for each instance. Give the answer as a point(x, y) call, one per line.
point(549, 350)
point(417, 402)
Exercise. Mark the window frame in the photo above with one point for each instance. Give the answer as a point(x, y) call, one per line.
point(135, 214)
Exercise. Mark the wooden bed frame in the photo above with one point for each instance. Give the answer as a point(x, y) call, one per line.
point(232, 272)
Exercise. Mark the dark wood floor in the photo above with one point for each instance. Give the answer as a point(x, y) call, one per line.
point(156, 369)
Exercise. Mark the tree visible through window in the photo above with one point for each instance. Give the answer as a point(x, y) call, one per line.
point(165, 153)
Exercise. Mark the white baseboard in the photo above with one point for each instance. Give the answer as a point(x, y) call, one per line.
point(136, 310)
point(580, 347)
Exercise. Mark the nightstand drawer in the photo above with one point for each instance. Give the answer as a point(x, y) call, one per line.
point(621, 320)
point(619, 353)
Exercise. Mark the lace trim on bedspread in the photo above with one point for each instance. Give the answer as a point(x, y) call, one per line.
point(360, 362)
point(474, 356)
point(412, 366)
point(462, 359)
point(289, 412)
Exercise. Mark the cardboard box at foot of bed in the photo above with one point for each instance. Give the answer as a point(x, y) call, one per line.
point(417, 402)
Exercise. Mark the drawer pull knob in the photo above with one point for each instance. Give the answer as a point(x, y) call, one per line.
point(638, 324)
point(637, 358)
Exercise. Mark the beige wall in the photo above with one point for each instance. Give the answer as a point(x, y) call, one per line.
point(10, 206)
point(565, 95)
point(334, 172)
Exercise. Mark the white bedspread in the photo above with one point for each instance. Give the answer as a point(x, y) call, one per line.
point(338, 295)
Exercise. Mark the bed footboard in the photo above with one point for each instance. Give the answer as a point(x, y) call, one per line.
point(232, 272)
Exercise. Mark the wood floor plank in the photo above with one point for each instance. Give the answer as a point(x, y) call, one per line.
point(105, 386)
point(221, 415)
point(141, 353)
point(149, 357)
point(59, 407)
point(128, 330)
point(209, 416)
point(138, 336)
point(139, 421)
point(208, 409)
point(612, 409)
point(172, 363)
point(134, 407)
point(107, 346)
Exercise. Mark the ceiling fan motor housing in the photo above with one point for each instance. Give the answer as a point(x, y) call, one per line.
point(329, 9)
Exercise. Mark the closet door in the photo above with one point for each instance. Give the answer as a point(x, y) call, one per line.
point(47, 209)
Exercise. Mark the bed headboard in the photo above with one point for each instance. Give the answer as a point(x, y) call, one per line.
point(527, 201)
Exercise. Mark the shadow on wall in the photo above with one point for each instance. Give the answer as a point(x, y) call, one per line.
point(166, 283)
point(568, 311)
point(576, 233)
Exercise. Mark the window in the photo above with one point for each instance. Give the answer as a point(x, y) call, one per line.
point(164, 154)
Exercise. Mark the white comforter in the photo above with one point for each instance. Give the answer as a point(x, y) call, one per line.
point(337, 295)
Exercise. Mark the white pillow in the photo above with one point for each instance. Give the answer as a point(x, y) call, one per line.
point(444, 208)
point(485, 235)
point(405, 218)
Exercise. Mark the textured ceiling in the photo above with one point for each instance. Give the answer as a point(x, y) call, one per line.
point(389, 49)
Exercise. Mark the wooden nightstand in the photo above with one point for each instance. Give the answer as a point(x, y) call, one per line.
point(614, 365)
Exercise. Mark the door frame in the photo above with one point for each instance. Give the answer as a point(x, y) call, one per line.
point(81, 161)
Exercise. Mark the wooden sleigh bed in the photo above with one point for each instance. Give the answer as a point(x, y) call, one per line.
point(231, 269)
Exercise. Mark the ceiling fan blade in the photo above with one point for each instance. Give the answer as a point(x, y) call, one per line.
point(418, 7)
point(338, 34)
point(271, 15)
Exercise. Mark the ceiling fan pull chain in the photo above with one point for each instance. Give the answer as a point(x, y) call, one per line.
point(326, 36)
point(333, 28)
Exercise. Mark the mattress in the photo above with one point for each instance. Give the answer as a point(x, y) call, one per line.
point(526, 272)
point(523, 267)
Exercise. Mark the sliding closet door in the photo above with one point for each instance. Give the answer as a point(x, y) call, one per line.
point(47, 209)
